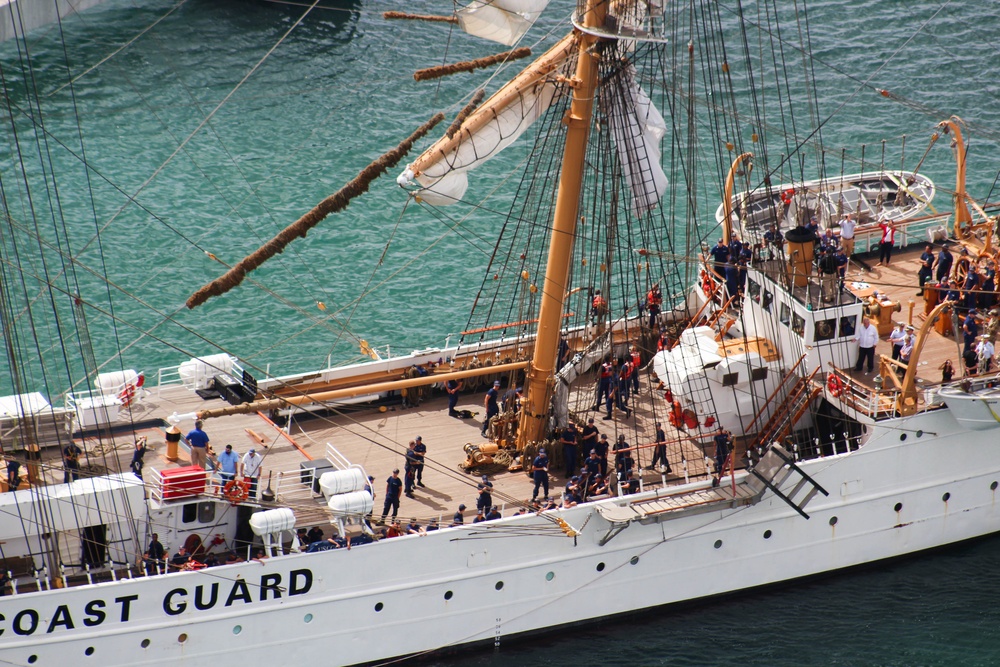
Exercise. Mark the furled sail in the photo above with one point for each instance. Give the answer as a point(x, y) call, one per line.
point(503, 21)
point(637, 127)
point(441, 170)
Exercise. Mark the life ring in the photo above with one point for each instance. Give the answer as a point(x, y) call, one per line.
point(835, 386)
point(708, 285)
point(127, 395)
point(236, 491)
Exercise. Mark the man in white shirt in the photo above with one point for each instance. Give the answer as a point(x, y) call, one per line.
point(984, 354)
point(867, 337)
point(250, 469)
point(847, 225)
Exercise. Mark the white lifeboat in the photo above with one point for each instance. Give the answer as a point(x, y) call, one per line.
point(976, 411)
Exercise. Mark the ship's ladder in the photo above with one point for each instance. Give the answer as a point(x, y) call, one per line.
point(787, 414)
point(772, 472)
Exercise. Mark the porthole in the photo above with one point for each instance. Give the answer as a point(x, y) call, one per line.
point(144, 643)
point(993, 486)
point(600, 567)
point(89, 650)
point(32, 659)
point(182, 637)
point(946, 497)
point(767, 534)
point(237, 629)
point(448, 595)
point(549, 576)
point(833, 521)
point(902, 437)
point(897, 507)
point(634, 560)
point(718, 544)
point(920, 434)
point(379, 606)
point(499, 586)
point(308, 618)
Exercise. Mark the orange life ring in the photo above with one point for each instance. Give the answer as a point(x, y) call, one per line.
point(127, 395)
point(835, 386)
point(236, 491)
point(708, 285)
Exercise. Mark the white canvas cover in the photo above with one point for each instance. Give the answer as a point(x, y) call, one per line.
point(503, 21)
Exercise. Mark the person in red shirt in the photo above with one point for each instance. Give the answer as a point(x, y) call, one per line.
point(888, 240)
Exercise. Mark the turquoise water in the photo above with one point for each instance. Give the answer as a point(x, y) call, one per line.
point(338, 92)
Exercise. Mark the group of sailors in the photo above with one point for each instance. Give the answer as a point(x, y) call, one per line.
point(617, 380)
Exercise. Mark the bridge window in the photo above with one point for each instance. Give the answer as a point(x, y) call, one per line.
point(798, 325)
point(825, 329)
point(189, 513)
point(753, 289)
point(848, 324)
point(206, 512)
point(730, 379)
point(786, 314)
point(766, 303)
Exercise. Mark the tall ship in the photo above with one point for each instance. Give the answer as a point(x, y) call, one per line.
point(649, 404)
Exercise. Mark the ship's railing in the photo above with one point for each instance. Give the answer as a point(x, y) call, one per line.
point(873, 403)
point(908, 232)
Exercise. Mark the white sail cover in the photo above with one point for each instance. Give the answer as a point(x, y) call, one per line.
point(500, 121)
point(503, 21)
point(637, 128)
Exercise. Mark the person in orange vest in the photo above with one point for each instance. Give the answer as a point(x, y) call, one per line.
point(636, 363)
point(598, 307)
point(605, 377)
point(654, 301)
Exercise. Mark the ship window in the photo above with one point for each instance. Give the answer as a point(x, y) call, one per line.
point(32, 659)
point(825, 329)
point(766, 303)
point(786, 314)
point(798, 324)
point(189, 513)
point(753, 289)
point(730, 379)
point(758, 374)
point(848, 325)
point(718, 544)
point(89, 650)
point(206, 512)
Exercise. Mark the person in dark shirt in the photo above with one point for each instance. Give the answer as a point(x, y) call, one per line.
point(315, 534)
point(589, 436)
point(13, 473)
point(926, 267)
point(485, 500)
point(156, 551)
point(540, 473)
point(944, 262)
point(421, 451)
point(722, 448)
point(180, 559)
point(568, 438)
point(720, 255)
point(71, 461)
point(491, 405)
point(459, 518)
point(593, 463)
point(453, 387)
point(480, 517)
point(140, 451)
point(970, 330)
point(631, 483)
point(598, 486)
point(432, 525)
point(410, 466)
point(660, 450)
point(494, 514)
point(393, 489)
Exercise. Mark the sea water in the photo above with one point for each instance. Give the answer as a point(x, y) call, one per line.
point(202, 142)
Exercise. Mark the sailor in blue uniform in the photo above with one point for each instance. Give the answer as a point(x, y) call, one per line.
point(540, 473)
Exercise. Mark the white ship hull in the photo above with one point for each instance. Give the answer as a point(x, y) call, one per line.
point(890, 498)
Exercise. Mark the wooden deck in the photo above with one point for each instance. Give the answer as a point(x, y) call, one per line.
point(376, 440)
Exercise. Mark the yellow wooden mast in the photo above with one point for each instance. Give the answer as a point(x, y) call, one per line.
point(539, 385)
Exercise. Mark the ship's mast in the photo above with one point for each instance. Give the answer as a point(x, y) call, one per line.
point(538, 392)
